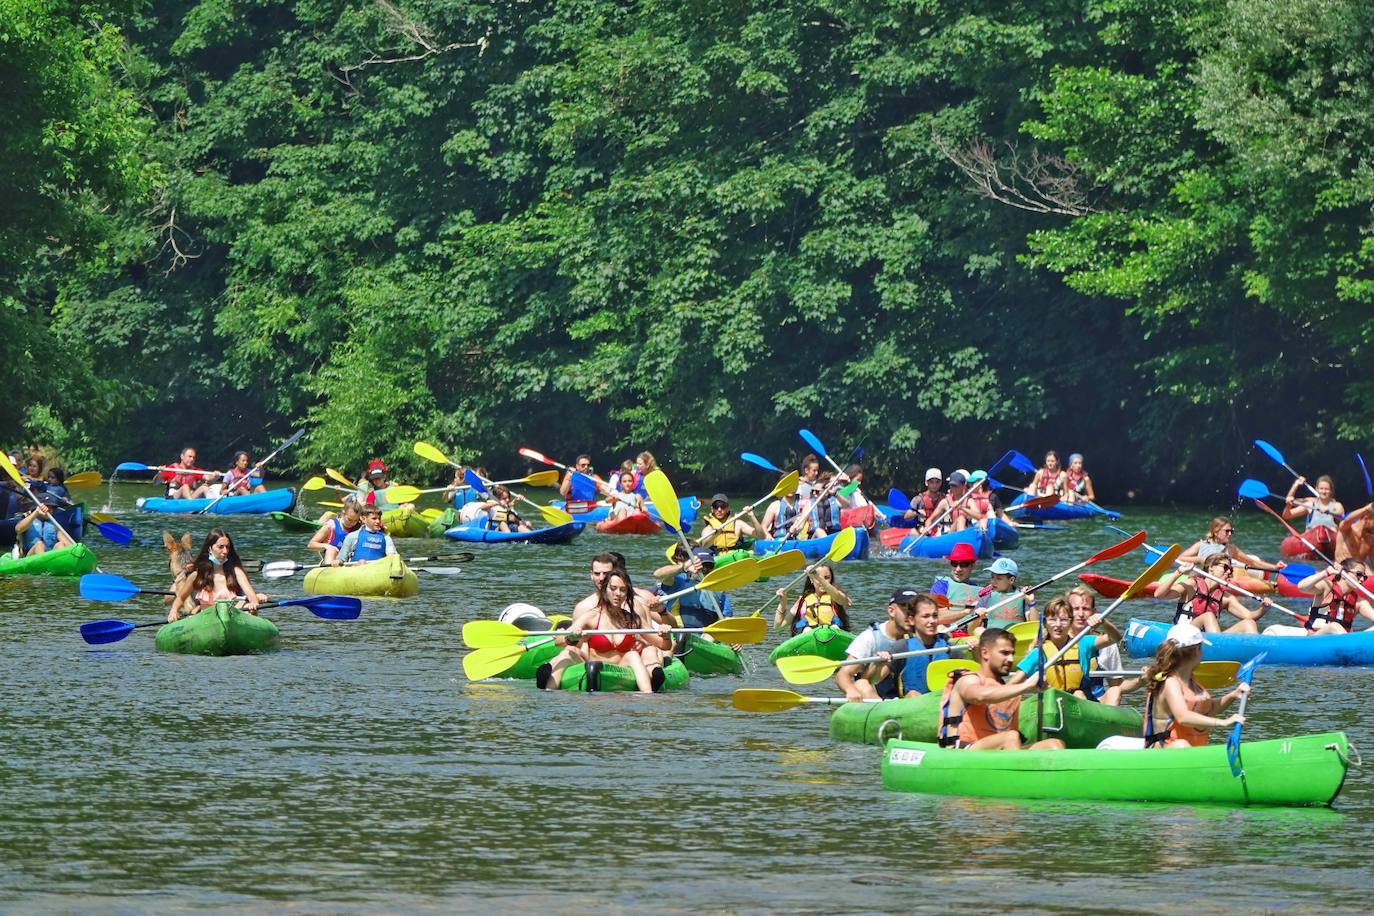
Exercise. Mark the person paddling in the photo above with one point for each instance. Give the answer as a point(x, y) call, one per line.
point(1201, 601)
point(1049, 479)
point(216, 574)
point(1078, 484)
point(37, 531)
point(922, 509)
point(241, 478)
point(1001, 586)
point(183, 479)
point(578, 484)
point(821, 603)
point(368, 543)
point(501, 514)
point(642, 653)
point(1178, 711)
point(925, 634)
point(1355, 536)
point(1321, 512)
point(1107, 691)
point(331, 534)
point(1070, 672)
point(699, 608)
point(957, 586)
point(646, 601)
point(719, 536)
point(783, 516)
point(626, 501)
point(1218, 540)
point(645, 464)
point(878, 680)
point(1335, 601)
point(959, 512)
point(981, 710)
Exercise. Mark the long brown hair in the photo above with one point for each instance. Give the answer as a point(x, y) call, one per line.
point(622, 618)
point(205, 569)
point(1168, 657)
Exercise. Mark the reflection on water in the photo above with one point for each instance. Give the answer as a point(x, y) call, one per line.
point(357, 769)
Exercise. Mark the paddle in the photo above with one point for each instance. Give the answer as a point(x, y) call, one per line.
point(1368, 486)
point(1256, 491)
point(811, 439)
point(756, 699)
point(1277, 457)
point(786, 484)
point(1035, 502)
point(84, 480)
point(552, 514)
point(1295, 572)
point(759, 461)
point(140, 466)
point(280, 569)
point(601, 484)
point(1244, 675)
point(493, 634)
point(247, 478)
point(13, 472)
point(1211, 675)
point(812, 669)
point(780, 564)
point(114, 532)
point(328, 607)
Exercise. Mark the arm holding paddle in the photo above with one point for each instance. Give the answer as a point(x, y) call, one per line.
point(1184, 714)
point(40, 513)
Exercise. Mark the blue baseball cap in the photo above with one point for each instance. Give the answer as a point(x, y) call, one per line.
point(1003, 566)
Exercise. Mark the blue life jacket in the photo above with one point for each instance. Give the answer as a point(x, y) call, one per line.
point(336, 538)
point(912, 674)
point(371, 545)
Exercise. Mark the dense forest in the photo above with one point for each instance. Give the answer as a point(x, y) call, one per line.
point(939, 228)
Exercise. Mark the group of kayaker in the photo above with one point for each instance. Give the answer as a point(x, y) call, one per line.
point(184, 480)
point(581, 483)
point(36, 531)
point(1071, 484)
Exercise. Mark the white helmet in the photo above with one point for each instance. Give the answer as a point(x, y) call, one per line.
point(525, 616)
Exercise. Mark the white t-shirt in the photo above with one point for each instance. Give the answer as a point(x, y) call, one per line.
point(872, 641)
point(1109, 659)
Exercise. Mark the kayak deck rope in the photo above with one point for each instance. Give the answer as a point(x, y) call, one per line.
point(1351, 759)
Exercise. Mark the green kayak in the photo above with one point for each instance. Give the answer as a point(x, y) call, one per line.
point(618, 677)
point(1079, 723)
point(827, 642)
point(294, 522)
point(76, 560)
point(542, 649)
point(405, 523)
point(1306, 770)
point(219, 630)
point(703, 656)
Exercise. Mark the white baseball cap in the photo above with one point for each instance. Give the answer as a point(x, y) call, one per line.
point(934, 472)
point(1186, 635)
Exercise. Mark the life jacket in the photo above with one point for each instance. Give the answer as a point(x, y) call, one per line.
point(336, 537)
point(1011, 612)
point(1199, 701)
point(498, 515)
point(975, 722)
point(1340, 608)
point(1069, 673)
point(817, 610)
point(1045, 481)
point(927, 503)
point(786, 513)
point(912, 675)
point(1320, 518)
point(1202, 602)
point(827, 514)
point(958, 593)
point(582, 488)
point(981, 500)
point(724, 538)
point(1075, 480)
point(371, 544)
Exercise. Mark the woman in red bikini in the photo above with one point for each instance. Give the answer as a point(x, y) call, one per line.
point(642, 653)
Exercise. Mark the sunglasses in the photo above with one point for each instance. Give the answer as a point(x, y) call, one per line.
point(961, 563)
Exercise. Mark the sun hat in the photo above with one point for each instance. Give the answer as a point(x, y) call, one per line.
point(1186, 635)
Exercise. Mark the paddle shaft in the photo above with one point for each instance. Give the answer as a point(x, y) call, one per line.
point(1229, 585)
point(1359, 586)
point(606, 487)
point(941, 517)
point(257, 467)
point(937, 650)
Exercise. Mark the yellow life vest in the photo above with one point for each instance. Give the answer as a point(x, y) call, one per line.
point(818, 610)
point(1067, 673)
point(724, 538)
point(504, 515)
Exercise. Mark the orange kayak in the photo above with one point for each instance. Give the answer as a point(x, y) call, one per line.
point(638, 523)
point(1111, 587)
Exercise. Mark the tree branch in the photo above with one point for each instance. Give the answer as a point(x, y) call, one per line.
point(1038, 183)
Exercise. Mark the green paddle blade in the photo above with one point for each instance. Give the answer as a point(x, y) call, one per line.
point(765, 700)
point(781, 564)
point(738, 630)
point(937, 672)
point(664, 498)
point(485, 663)
point(806, 669)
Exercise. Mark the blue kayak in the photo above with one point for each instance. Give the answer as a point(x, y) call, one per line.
point(478, 533)
point(1345, 650)
point(937, 547)
point(687, 506)
point(1062, 511)
point(249, 504)
point(71, 521)
point(1005, 537)
point(815, 548)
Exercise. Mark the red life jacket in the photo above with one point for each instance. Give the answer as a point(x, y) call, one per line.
point(928, 504)
point(980, 499)
point(1045, 481)
point(1074, 480)
point(1202, 602)
point(1339, 609)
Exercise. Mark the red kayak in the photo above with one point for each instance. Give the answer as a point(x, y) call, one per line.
point(1109, 587)
point(638, 523)
point(858, 517)
point(1324, 539)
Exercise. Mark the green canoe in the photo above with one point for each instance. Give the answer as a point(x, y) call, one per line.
point(703, 656)
point(219, 630)
point(405, 523)
point(76, 560)
point(1306, 770)
point(827, 642)
point(1078, 723)
point(542, 649)
point(618, 677)
point(294, 522)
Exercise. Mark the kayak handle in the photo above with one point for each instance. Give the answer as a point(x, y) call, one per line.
point(882, 731)
point(1351, 759)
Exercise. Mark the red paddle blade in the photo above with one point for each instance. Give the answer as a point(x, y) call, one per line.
point(1265, 506)
point(1039, 502)
point(538, 456)
point(1118, 550)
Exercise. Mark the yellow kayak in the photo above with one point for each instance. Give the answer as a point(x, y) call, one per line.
point(385, 578)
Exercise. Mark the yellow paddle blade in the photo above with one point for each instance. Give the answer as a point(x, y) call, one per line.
point(542, 479)
point(762, 700)
point(738, 629)
point(10, 469)
point(103, 518)
point(485, 663)
point(937, 672)
point(85, 479)
point(331, 505)
point(786, 484)
point(338, 477)
point(664, 498)
point(487, 634)
point(806, 669)
point(431, 515)
point(553, 515)
point(1216, 674)
point(1159, 567)
point(781, 564)
point(725, 578)
point(842, 546)
point(314, 483)
point(556, 619)
point(430, 453)
point(1023, 631)
point(401, 493)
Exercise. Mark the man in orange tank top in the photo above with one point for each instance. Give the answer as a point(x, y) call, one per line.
point(985, 704)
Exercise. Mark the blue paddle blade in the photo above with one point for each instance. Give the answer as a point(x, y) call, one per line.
point(1270, 451)
point(132, 466)
point(1368, 487)
point(578, 475)
point(759, 461)
point(114, 532)
point(810, 438)
point(1151, 552)
point(1253, 489)
point(1296, 572)
point(105, 587)
point(858, 455)
point(1001, 462)
point(998, 485)
point(1021, 463)
point(100, 632)
point(330, 607)
point(472, 480)
point(897, 499)
point(1246, 672)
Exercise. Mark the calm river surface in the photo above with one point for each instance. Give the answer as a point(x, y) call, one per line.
point(356, 769)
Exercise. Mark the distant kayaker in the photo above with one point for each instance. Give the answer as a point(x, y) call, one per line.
point(579, 483)
point(240, 478)
point(925, 634)
point(1078, 485)
point(645, 464)
point(1356, 536)
point(825, 506)
point(216, 574)
point(1218, 540)
point(1335, 600)
point(957, 508)
point(1178, 711)
point(183, 479)
point(331, 534)
point(501, 514)
point(1070, 672)
point(810, 471)
point(699, 608)
point(821, 603)
point(1001, 587)
point(963, 593)
point(1321, 512)
point(878, 680)
point(38, 533)
point(922, 510)
point(1049, 479)
point(980, 710)
point(54, 487)
point(373, 482)
point(644, 653)
point(783, 518)
point(626, 501)
point(1201, 601)
point(857, 499)
point(1107, 691)
point(719, 536)
point(368, 543)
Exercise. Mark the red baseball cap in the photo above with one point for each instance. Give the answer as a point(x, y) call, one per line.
point(962, 553)
point(376, 466)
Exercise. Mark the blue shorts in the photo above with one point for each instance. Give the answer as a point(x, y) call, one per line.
point(46, 531)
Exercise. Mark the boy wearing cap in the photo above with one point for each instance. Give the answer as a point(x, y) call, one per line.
point(878, 680)
point(958, 586)
point(719, 536)
point(1002, 582)
point(959, 512)
point(374, 480)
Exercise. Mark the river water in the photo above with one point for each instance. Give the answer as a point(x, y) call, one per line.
point(356, 769)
